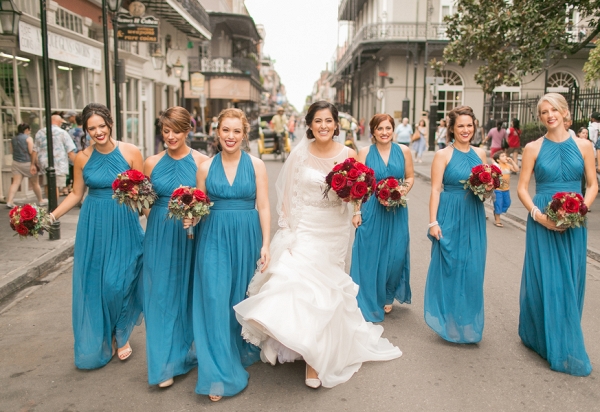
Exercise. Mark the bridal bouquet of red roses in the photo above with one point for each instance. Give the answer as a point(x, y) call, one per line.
point(388, 193)
point(352, 181)
point(29, 220)
point(483, 180)
point(567, 210)
point(134, 189)
point(188, 202)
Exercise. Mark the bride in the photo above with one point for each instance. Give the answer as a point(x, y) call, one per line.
point(304, 306)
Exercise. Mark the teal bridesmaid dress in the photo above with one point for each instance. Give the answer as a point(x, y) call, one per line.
point(553, 281)
point(107, 300)
point(227, 251)
point(454, 287)
point(168, 277)
point(380, 253)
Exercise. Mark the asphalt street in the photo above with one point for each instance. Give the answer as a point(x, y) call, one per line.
point(498, 374)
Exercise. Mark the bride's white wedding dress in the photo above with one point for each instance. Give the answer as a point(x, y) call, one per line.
point(304, 305)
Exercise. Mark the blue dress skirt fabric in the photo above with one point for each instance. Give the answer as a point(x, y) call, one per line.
point(168, 259)
point(380, 253)
point(107, 299)
point(454, 287)
point(227, 251)
point(554, 271)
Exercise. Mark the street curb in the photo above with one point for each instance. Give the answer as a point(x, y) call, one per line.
point(37, 268)
point(591, 253)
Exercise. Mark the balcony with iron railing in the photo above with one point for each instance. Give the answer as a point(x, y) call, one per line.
point(225, 65)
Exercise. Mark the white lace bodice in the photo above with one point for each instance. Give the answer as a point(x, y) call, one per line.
point(312, 181)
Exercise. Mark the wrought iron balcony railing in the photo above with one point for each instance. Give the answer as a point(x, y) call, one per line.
point(239, 65)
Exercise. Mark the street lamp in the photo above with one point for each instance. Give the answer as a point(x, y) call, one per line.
point(9, 17)
point(178, 72)
point(158, 60)
point(114, 6)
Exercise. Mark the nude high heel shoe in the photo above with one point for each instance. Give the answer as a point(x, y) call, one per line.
point(312, 382)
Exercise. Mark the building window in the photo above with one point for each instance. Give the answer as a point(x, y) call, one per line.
point(501, 107)
point(450, 93)
point(68, 20)
point(132, 112)
point(561, 82)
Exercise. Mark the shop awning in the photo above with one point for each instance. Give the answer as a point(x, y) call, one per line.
point(187, 16)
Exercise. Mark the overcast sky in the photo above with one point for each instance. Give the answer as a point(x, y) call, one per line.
point(301, 35)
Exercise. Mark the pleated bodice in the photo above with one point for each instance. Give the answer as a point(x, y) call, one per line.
point(459, 168)
point(395, 166)
point(559, 168)
point(169, 174)
point(102, 169)
point(241, 194)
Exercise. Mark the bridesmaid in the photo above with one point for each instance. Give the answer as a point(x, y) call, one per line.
point(107, 303)
point(553, 281)
point(454, 287)
point(168, 257)
point(381, 254)
point(233, 237)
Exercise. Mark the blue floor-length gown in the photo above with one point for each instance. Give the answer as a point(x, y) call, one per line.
point(380, 253)
point(107, 265)
point(454, 287)
point(168, 277)
point(227, 252)
point(553, 281)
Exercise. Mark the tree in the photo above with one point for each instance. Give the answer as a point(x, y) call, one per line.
point(517, 38)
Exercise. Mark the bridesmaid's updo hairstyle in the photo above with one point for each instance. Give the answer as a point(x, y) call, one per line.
point(98, 109)
point(235, 114)
point(176, 118)
point(378, 119)
point(454, 114)
point(557, 101)
point(312, 111)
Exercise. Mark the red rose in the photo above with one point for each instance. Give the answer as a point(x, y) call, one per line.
point(135, 176)
point(338, 182)
point(359, 190)
point(571, 205)
point(13, 211)
point(474, 181)
point(353, 174)
point(383, 194)
point(583, 209)
point(555, 205)
point(338, 167)
point(187, 198)
point(22, 230)
point(478, 169)
point(485, 177)
point(115, 184)
point(177, 192)
point(29, 224)
point(199, 195)
point(496, 169)
point(579, 197)
point(28, 212)
point(361, 167)
point(125, 185)
point(396, 195)
point(392, 183)
point(559, 195)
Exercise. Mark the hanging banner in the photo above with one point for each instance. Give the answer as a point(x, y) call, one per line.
point(143, 29)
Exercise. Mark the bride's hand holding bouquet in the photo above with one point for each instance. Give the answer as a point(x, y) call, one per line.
point(352, 181)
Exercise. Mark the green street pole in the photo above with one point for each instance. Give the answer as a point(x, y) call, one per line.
point(106, 53)
point(119, 118)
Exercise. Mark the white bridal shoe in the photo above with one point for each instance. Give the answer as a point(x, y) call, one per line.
point(311, 383)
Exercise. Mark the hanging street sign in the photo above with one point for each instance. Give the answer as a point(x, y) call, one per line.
point(143, 29)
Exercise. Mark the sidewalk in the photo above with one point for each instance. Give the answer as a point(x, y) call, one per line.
point(23, 261)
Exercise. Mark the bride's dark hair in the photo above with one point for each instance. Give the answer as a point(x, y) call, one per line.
point(313, 109)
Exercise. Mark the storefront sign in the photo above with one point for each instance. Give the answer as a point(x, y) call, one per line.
point(131, 28)
point(197, 82)
point(59, 47)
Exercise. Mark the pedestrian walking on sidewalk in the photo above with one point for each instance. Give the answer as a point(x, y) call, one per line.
point(454, 287)
point(403, 133)
point(232, 239)
point(514, 140)
point(419, 140)
point(381, 252)
point(107, 302)
point(442, 135)
point(495, 137)
point(22, 148)
point(502, 195)
point(554, 270)
point(168, 262)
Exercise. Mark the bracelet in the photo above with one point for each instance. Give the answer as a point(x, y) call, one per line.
point(358, 212)
point(432, 224)
point(52, 217)
point(534, 211)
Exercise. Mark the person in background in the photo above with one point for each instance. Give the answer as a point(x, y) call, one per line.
point(71, 120)
point(593, 127)
point(292, 127)
point(158, 140)
point(442, 135)
point(496, 135)
point(478, 137)
point(361, 129)
point(514, 140)
point(420, 140)
point(582, 133)
point(80, 140)
point(64, 149)
point(22, 148)
point(568, 123)
point(403, 132)
point(502, 201)
point(279, 123)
